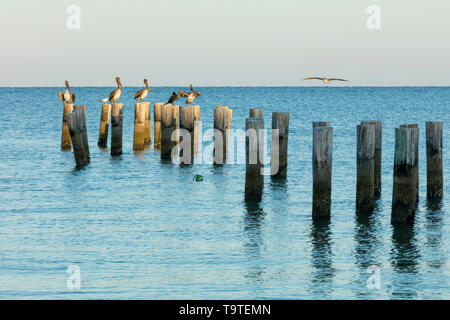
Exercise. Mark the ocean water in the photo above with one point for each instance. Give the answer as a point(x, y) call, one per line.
point(138, 228)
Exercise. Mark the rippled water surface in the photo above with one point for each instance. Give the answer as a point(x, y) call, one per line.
point(140, 228)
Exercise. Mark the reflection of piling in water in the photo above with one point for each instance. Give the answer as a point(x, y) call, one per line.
point(168, 126)
point(434, 160)
point(279, 145)
point(139, 126)
point(416, 167)
point(405, 179)
point(147, 126)
point(66, 143)
point(365, 167)
point(254, 179)
point(116, 128)
point(222, 121)
point(322, 170)
point(377, 156)
point(84, 132)
point(187, 123)
point(75, 127)
point(157, 124)
point(104, 126)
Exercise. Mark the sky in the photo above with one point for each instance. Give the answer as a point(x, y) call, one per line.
point(224, 42)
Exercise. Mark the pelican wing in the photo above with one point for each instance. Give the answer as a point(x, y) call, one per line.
point(336, 79)
point(313, 78)
point(73, 96)
point(139, 94)
point(60, 95)
point(181, 93)
point(111, 95)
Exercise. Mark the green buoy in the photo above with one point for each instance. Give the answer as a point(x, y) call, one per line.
point(198, 177)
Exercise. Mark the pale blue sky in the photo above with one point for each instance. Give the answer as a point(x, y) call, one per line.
point(224, 42)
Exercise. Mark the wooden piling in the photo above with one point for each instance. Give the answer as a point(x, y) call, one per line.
point(168, 126)
point(377, 156)
point(148, 126)
point(66, 143)
point(435, 181)
point(157, 119)
point(176, 116)
point(187, 123)
point(322, 170)
point(220, 134)
point(104, 126)
point(84, 132)
point(416, 146)
point(116, 128)
point(74, 122)
point(321, 124)
point(365, 167)
point(279, 145)
point(404, 187)
point(256, 113)
point(139, 126)
point(254, 178)
point(196, 127)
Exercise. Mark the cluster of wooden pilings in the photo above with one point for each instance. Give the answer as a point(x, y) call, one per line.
point(174, 125)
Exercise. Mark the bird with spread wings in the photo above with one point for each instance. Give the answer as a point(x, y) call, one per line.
point(325, 80)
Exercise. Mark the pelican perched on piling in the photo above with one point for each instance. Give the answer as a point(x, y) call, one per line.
point(192, 95)
point(115, 95)
point(141, 94)
point(325, 80)
point(68, 96)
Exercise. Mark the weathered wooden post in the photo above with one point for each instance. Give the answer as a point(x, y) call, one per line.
point(187, 123)
point(196, 127)
point(322, 170)
point(254, 141)
point(168, 126)
point(220, 137)
point(75, 125)
point(416, 146)
point(116, 128)
point(404, 187)
point(66, 143)
point(104, 126)
point(377, 156)
point(157, 119)
point(279, 145)
point(139, 126)
point(176, 116)
point(84, 132)
point(148, 126)
point(365, 167)
point(435, 181)
point(321, 124)
point(256, 113)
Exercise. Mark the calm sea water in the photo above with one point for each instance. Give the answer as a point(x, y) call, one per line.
point(140, 228)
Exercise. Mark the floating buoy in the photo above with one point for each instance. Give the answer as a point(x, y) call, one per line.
point(198, 177)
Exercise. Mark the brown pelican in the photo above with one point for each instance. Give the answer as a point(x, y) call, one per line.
point(68, 96)
point(325, 80)
point(192, 95)
point(115, 95)
point(141, 94)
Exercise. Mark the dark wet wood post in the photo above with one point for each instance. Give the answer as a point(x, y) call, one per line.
point(168, 126)
point(220, 134)
point(157, 119)
point(365, 167)
point(84, 132)
point(416, 167)
point(139, 126)
point(75, 127)
point(254, 141)
point(404, 187)
point(187, 123)
point(196, 127)
point(176, 116)
point(435, 181)
point(148, 126)
point(66, 143)
point(104, 126)
point(256, 113)
point(116, 128)
point(377, 156)
point(321, 124)
point(279, 144)
point(322, 170)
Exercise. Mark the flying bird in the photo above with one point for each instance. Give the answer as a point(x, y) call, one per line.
point(115, 95)
point(68, 96)
point(325, 80)
point(141, 94)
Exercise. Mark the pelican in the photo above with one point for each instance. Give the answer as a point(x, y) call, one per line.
point(192, 95)
point(325, 80)
point(68, 96)
point(115, 95)
point(141, 94)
